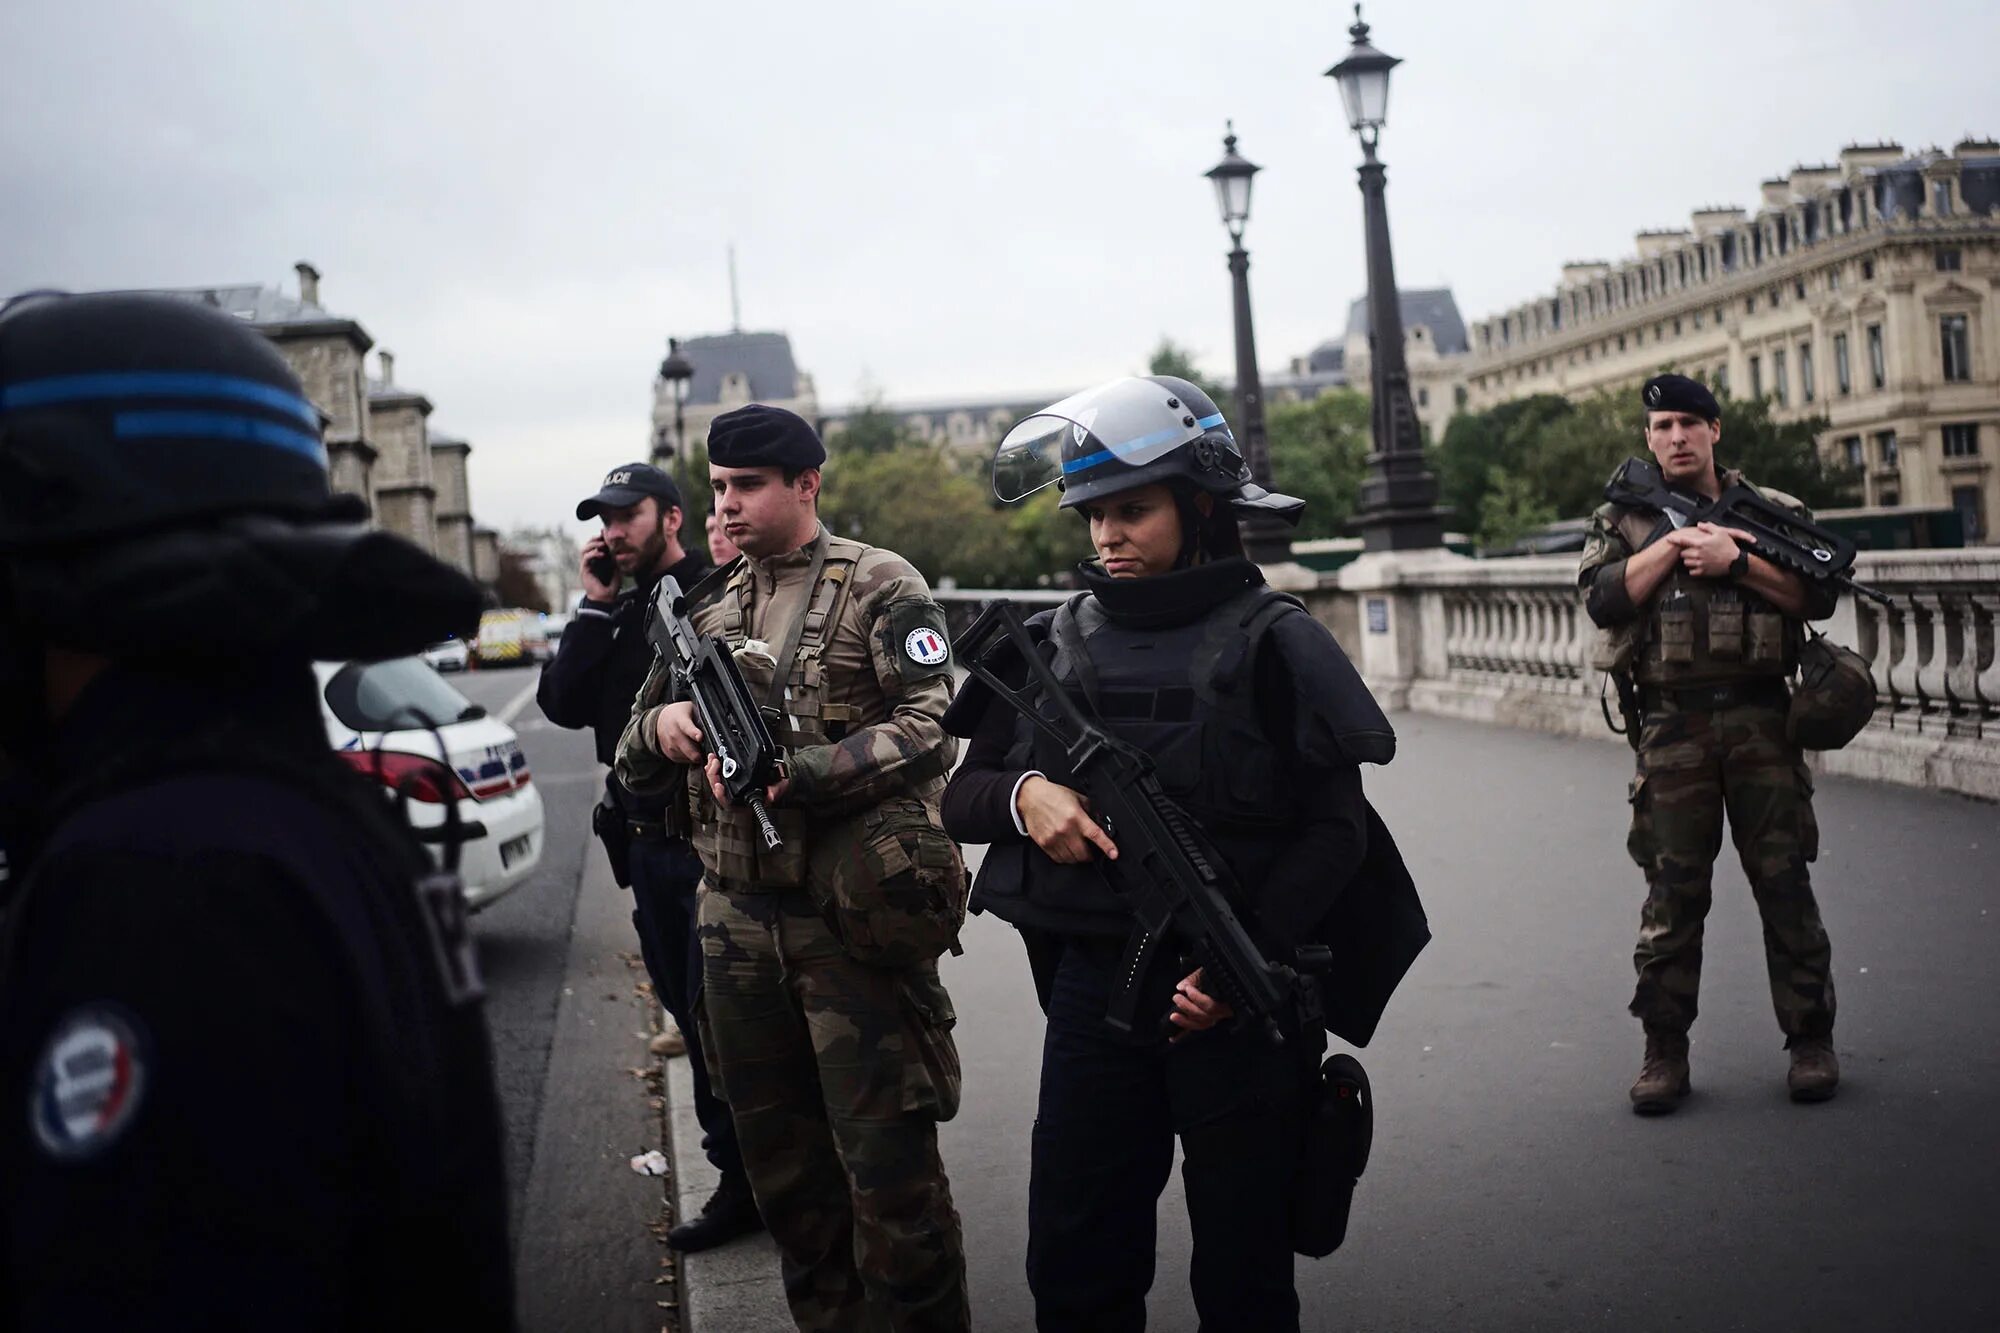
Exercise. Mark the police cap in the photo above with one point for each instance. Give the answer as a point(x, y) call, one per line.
point(627, 484)
point(764, 436)
point(1678, 393)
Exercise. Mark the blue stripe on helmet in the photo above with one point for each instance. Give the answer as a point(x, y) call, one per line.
point(1124, 447)
point(218, 426)
point(117, 384)
point(1210, 422)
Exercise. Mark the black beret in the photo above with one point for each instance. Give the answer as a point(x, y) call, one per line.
point(1678, 393)
point(762, 436)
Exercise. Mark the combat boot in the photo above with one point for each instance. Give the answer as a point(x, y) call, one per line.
point(1663, 1079)
point(730, 1212)
point(1815, 1072)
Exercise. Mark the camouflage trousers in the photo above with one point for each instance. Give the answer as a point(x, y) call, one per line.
point(836, 1075)
point(1694, 767)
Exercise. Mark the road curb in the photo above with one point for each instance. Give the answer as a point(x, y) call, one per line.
point(736, 1288)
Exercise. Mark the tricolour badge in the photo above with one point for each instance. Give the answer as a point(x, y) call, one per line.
point(926, 647)
point(88, 1084)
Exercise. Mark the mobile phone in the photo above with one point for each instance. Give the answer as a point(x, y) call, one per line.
point(604, 569)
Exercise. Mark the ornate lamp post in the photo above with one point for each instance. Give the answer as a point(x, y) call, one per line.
point(1398, 505)
point(675, 371)
point(1266, 541)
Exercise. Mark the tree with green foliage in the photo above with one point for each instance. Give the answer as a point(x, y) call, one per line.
point(1170, 358)
point(1475, 444)
point(1522, 464)
point(1319, 450)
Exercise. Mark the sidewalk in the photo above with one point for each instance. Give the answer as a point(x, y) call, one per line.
point(734, 1287)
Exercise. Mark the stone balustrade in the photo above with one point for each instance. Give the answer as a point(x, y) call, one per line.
point(1507, 641)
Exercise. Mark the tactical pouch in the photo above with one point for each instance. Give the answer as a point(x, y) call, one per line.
point(1725, 627)
point(1767, 638)
point(890, 885)
point(1676, 639)
point(932, 1077)
point(1339, 1130)
point(1834, 699)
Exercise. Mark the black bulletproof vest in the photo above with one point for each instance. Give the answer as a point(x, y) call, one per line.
point(1183, 695)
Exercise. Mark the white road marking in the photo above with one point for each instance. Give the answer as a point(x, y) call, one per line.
point(513, 706)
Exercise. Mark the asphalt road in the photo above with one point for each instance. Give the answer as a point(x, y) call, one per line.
point(523, 938)
point(1511, 1187)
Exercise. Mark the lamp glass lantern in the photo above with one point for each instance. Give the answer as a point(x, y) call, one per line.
point(676, 370)
point(1364, 81)
point(1232, 184)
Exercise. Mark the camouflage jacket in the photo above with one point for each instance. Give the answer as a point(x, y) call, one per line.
point(865, 706)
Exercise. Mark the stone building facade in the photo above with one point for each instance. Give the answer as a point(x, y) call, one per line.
point(454, 499)
point(1866, 291)
point(406, 497)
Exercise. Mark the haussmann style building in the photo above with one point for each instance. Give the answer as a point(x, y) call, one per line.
point(1865, 291)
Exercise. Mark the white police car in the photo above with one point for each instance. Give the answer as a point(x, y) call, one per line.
point(451, 655)
point(376, 716)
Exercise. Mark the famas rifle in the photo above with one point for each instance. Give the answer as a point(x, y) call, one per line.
point(1782, 537)
point(1168, 874)
point(732, 728)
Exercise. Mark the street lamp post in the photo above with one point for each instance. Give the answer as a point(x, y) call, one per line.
point(676, 371)
point(1398, 503)
point(1265, 540)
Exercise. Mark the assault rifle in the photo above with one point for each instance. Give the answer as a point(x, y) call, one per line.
point(1168, 874)
point(1782, 537)
point(732, 728)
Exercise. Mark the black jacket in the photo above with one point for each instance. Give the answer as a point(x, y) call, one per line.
point(246, 1086)
point(601, 663)
point(1339, 879)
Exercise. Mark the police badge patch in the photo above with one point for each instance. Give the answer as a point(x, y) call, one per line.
point(88, 1084)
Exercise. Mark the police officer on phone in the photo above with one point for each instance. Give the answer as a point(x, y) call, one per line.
point(602, 661)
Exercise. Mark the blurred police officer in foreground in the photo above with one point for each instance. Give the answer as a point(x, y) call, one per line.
point(828, 1026)
point(1258, 726)
point(244, 1076)
point(591, 681)
point(1709, 633)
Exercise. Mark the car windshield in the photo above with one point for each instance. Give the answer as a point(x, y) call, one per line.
point(402, 694)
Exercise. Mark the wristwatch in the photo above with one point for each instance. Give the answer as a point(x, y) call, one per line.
point(1740, 565)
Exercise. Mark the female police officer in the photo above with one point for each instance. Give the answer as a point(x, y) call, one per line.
point(1257, 724)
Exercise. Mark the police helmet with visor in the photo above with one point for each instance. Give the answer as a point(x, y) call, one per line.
point(1130, 432)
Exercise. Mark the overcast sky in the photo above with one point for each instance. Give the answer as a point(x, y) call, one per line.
point(932, 198)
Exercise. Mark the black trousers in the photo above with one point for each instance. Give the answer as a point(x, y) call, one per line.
point(665, 876)
point(1103, 1148)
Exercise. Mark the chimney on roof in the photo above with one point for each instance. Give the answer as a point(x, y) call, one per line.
point(388, 367)
point(308, 282)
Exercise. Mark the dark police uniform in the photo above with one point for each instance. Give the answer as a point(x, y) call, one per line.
point(591, 682)
point(243, 1067)
point(244, 1075)
point(1257, 724)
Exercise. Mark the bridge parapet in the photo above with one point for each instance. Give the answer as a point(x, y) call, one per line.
point(1507, 641)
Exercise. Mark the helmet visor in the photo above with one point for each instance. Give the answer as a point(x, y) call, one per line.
point(1131, 421)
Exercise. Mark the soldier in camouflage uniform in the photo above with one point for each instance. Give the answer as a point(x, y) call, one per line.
point(829, 1029)
point(1708, 634)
